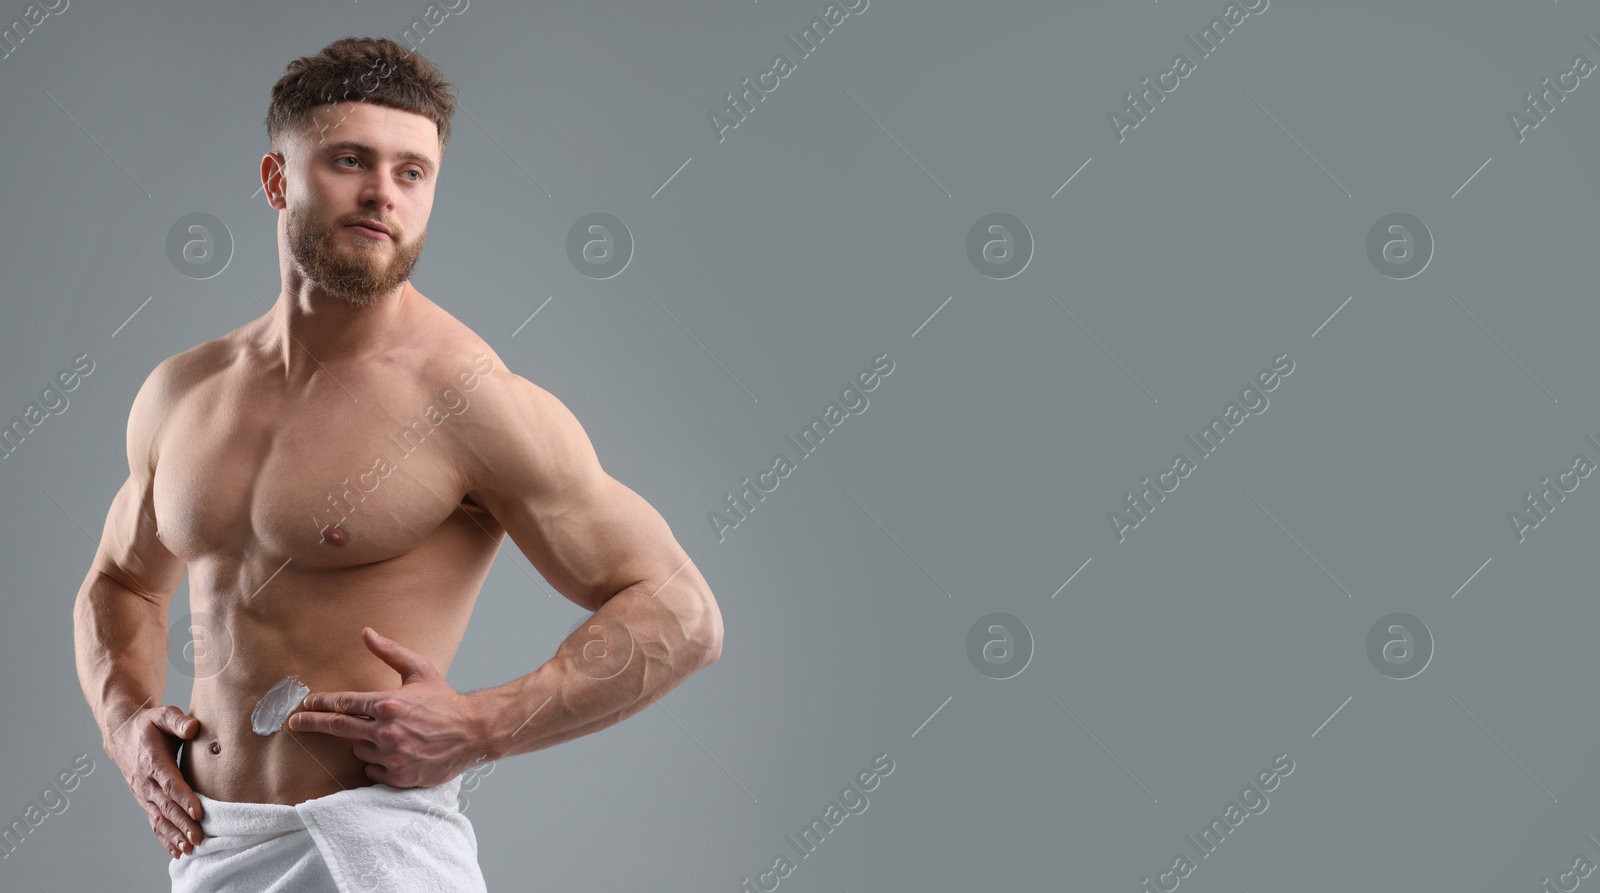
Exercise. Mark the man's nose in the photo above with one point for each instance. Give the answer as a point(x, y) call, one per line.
point(379, 191)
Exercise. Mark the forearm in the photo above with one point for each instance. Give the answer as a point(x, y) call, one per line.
point(597, 680)
point(120, 639)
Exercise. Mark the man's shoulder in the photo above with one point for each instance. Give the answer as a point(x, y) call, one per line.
point(500, 410)
point(164, 388)
point(180, 373)
point(457, 357)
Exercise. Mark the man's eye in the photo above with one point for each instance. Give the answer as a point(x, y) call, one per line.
point(345, 158)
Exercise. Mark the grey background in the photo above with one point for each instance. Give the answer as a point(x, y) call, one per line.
point(1219, 234)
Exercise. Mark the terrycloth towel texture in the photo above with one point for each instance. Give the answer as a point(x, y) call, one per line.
point(374, 839)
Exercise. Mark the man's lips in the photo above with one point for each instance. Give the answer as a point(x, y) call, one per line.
point(369, 231)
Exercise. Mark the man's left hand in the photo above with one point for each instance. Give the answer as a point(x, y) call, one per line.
point(421, 734)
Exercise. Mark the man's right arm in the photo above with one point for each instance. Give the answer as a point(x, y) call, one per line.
point(120, 632)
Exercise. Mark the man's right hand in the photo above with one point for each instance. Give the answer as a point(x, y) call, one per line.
point(145, 748)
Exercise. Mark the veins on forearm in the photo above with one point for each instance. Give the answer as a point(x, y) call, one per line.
point(629, 655)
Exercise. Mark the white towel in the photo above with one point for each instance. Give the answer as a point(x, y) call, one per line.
point(373, 839)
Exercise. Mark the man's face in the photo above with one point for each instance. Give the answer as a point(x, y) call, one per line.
point(358, 161)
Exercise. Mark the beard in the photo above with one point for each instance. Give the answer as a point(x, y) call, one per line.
point(357, 275)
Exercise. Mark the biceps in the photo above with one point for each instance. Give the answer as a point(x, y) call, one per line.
point(130, 552)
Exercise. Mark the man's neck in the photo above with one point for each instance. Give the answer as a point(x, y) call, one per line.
point(310, 328)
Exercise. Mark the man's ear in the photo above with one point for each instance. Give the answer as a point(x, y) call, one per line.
point(273, 175)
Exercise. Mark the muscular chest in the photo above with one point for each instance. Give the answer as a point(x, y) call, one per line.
point(326, 481)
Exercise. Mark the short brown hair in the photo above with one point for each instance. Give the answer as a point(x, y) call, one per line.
point(362, 69)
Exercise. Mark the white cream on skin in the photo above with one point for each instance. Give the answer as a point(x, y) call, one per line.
point(273, 710)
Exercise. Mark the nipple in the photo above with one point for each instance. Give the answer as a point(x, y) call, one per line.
point(336, 535)
point(273, 710)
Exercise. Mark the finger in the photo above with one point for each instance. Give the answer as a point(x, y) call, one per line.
point(174, 722)
point(171, 781)
point(356, 703)
point(336, 724)
point(367, 752)
point(169, 837)
point(186, 827)
point(411, 665)
point(380, 774)
point(155, 800)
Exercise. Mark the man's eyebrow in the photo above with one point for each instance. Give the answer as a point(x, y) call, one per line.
point(365, 149)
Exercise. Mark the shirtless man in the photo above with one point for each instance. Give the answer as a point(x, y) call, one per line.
point(252, 467)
